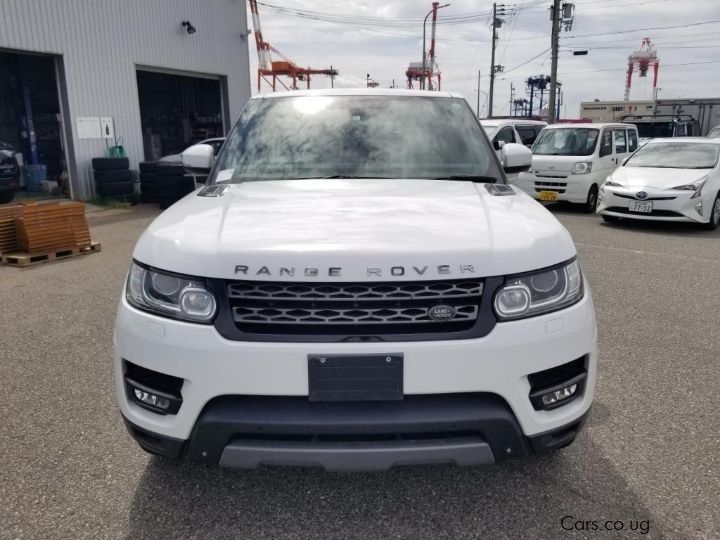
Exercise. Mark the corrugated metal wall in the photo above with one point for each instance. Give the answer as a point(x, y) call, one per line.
point(101, 43)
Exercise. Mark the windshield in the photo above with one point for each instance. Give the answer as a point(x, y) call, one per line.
point(655, 130)
point(356, 136)
point(714, 132)
point(676, 155)
point(566, 142)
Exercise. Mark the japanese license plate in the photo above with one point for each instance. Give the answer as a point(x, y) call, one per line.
point(548, 195)
point(644, 207)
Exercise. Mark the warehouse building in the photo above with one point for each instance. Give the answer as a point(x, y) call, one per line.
point(80, 76)
point(612, 111)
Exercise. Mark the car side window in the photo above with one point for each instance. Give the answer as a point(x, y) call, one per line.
point(527, 134)
point(506, 134)
point(606, 143)
point(620, 141)
point(632, 140)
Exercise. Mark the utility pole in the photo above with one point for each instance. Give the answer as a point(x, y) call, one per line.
point(497, 23)
point(512, 98)
point(554, 45)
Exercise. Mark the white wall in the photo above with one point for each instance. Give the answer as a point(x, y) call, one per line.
point(101, 43)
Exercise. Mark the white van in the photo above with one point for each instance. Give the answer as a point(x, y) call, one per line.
point(571, 161)
point(517, 130)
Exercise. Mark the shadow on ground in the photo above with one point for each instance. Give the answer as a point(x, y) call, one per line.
point(524, 498)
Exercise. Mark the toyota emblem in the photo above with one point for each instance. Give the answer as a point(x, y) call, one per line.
point(641, 195)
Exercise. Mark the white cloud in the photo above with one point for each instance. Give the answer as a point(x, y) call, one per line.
point(462, 50)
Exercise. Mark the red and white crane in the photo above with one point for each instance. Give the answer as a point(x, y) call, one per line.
point(269, 70)
point(643, 58)
point(431, 71)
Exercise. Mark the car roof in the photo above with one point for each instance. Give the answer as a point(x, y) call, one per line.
point(358, 92)
point(590, 125)
point(698, 140)
point(511, 121)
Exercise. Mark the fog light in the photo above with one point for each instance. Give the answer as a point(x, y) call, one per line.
point(152, 400)
point(555, 397)
point(699, 208)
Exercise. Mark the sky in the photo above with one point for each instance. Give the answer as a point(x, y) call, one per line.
point(381, 37)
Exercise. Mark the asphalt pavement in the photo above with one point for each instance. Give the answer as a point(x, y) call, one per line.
point(648, 459)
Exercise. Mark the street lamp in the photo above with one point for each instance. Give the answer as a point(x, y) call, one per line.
point(424, 53)
point(483, 92)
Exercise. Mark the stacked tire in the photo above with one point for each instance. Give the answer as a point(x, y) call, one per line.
point(113, 177)
point(172, 183)
point(148, 182)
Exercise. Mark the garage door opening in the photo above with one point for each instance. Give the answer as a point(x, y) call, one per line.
point(31, 143)
point(177, 111)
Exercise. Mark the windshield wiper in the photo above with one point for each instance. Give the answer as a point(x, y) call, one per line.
point(468, 178)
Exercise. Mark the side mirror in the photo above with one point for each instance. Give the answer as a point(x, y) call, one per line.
point(198, 159)
point(515, 158)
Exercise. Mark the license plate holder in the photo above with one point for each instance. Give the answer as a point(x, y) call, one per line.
point(548, 196)
point(643, 207)
point(355, 377)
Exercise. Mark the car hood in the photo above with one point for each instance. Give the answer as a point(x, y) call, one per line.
point(659, 178)
point(354, 230)
point(550, 164)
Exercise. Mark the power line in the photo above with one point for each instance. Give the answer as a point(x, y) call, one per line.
point(526, 62)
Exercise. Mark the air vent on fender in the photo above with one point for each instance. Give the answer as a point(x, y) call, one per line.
point(217, 190)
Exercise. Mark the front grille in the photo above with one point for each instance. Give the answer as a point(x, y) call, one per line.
point(153, 379)
point(553, 175)
point(557, 375)
point(658, 213)
point(559, 187)
point(352, 308)
point(624, 196)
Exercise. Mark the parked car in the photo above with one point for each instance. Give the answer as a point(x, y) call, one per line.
point(571, 161)
point(9, 173)
point(517, 130)
point(341, 296)
point(666, 180)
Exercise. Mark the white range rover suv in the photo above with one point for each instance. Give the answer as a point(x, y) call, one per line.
point(356, 288)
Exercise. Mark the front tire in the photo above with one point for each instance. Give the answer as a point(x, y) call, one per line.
point(592, 200)
point(714, 215)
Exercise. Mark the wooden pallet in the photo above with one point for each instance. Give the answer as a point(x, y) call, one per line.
point(27, 259)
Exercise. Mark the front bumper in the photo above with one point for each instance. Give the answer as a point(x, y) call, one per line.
point(569, 187)
point(667, 205)
point(231, 379)
point(248, 432)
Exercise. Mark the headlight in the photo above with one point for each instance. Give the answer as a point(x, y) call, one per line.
point(171, 295)
point(583, 167)
point(612, 183)
point(538, 293)
point(695, 186)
